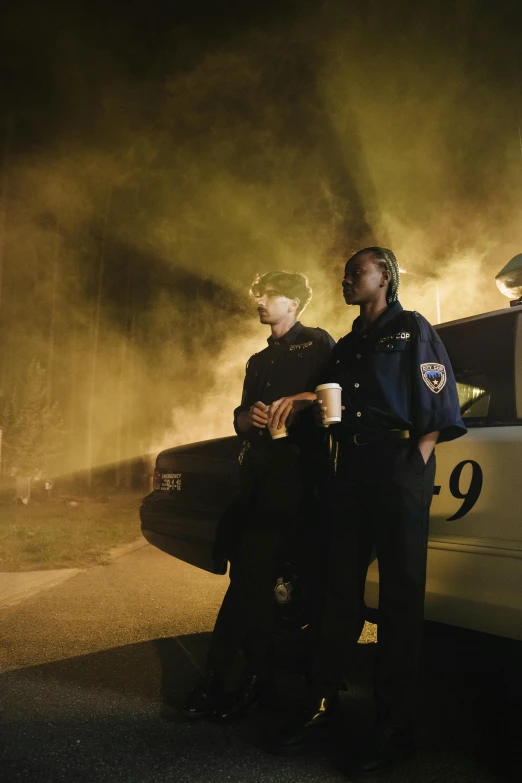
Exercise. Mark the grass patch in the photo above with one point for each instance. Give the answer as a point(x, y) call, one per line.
point(55, 534)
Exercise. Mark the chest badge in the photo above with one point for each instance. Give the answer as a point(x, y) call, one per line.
point(434, 376)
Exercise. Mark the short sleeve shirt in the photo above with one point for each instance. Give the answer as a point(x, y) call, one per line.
point(396, 374)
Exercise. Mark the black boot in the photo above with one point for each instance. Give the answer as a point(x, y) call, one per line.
point(384, 749)
point(206, 697)
point(318, 714)
point(255, 689)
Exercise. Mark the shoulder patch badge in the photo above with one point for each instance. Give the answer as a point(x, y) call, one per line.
point(434, 376)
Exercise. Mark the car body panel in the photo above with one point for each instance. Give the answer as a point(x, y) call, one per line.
point(474, 576)
point(193, 521)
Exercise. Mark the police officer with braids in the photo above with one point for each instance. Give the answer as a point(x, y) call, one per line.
point(400, 399)
point(278, 476)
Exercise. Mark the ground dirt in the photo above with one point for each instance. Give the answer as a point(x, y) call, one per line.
point(67, 531)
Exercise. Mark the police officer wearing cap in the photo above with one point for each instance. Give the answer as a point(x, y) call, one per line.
point(277, 474)
point(400, 399)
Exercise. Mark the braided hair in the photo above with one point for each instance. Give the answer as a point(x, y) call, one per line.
point(385, 259)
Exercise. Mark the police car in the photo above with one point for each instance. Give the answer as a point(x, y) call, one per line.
point(475, 545)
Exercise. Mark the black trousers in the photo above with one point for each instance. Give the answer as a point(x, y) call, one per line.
point(273, 490)
point(380, 500)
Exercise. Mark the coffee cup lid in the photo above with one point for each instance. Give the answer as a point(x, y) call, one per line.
point(327, 386)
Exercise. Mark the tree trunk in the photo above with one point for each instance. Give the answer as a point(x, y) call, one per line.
point(52, 324)
point(95, 340)
point(3, 198)
point(128, 401)
point(122, 387)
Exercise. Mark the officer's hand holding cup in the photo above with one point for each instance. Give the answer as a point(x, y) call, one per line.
point(282, 411)
point(328, 408)
point(258, 415)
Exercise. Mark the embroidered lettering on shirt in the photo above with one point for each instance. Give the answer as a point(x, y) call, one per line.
point(399, 336)
point(300, 346)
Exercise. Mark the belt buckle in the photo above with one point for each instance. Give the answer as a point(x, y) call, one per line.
point(356, 441)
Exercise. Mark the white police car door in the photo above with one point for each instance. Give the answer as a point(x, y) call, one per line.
point(475, 548)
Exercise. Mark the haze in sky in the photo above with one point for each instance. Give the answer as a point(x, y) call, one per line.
point(151, 167)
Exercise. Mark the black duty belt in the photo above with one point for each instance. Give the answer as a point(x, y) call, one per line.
point(364, 438)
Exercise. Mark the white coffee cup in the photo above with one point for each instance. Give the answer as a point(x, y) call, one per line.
point(275, 433)
point(330, 396)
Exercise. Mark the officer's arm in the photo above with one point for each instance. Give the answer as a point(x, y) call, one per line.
point(435, 403)
point(255, 416)
point(280, 410)
point(426, 444)
point(241, 410)
point(251, 413)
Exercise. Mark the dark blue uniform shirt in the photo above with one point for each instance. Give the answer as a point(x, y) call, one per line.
point(289, 365)
point(395, 374)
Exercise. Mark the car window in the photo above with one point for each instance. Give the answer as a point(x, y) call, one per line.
point(474, 402)
point(482, 355)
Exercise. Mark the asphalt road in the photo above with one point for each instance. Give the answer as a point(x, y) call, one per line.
point(86, 666)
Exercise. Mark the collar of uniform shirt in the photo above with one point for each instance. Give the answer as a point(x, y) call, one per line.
point(289, 337)
point(388, 315)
